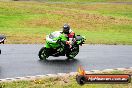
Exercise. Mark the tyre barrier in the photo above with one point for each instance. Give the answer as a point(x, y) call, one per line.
point(26, 78)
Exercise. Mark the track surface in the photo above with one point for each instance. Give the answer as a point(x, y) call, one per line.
point(21, 60)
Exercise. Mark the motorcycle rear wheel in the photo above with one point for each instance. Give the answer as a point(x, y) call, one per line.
point(43, 54)
point(73, 53)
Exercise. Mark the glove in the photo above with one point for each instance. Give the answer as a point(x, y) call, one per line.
point(68, 42)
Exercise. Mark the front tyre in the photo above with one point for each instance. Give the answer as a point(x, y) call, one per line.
point(43, 53)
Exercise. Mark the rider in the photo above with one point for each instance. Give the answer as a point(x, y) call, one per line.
point(69, 34)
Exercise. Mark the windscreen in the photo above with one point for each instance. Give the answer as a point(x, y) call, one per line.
point(54, 35)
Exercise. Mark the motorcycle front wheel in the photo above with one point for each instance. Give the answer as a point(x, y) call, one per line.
point(43, 53)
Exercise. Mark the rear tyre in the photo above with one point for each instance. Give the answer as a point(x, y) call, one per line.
point(73, 53)
point(43, 54)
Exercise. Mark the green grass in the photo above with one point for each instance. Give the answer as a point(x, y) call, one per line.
point(63, 82)
point(77, 0)
point(29, 22)
point(89, 0)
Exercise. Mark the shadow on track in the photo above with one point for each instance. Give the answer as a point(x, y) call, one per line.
point(60, 62)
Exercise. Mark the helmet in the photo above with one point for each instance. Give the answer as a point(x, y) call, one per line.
point(66, 29)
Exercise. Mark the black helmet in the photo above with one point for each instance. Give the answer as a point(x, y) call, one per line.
point(66, 29)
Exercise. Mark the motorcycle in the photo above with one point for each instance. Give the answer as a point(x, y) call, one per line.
point(56, 46)
point(2, 39)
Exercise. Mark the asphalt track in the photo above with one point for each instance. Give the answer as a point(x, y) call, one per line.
point(21, 60)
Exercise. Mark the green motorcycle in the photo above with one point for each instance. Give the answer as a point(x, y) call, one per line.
point(56, 46)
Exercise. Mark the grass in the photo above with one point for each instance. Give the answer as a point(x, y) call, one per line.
point(78, 0)
point(29, 22)
point(63, 82)
point(89, 0)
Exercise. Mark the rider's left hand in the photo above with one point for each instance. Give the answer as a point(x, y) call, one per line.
point(69, 43)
